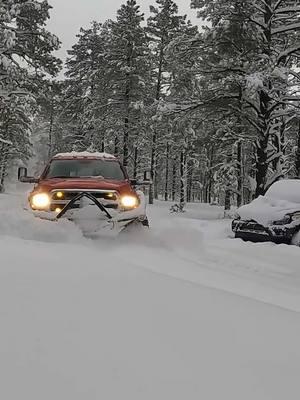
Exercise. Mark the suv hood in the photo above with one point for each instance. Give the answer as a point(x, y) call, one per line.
point(83, 184)
point(266, 210)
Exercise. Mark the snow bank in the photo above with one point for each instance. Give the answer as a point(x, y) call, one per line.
point(20, 223)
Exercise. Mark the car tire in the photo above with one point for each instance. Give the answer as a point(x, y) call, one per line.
point(296, 239)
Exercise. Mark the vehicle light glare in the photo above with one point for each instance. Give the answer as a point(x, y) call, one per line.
point(59, 195)
point(129, 201)
point(40, 201)
point(58, 210)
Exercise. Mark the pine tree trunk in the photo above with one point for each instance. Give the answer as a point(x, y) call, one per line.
point(167, 172)
point(1, 162)
point(209, 176)
point(239, 174)
point(278, 136)
point(297, 163)
point(153, 192)
point(116, 150)
point(182, 179)
point(135, 162)
point(3, 165)
point(264, 114)
point(152, 168)
point(227, 188)
point(261, 166)
point(174, 180)
point(50, 145)
point(189, 182)
point(227, 199)
point(125, 141)
point(4, 158)
point(155, 184)
point(127, 96)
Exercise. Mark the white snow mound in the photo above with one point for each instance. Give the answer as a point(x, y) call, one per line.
point(282, 198)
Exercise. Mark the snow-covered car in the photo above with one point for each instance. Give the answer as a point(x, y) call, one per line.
point(273, 217)
point(91, 189)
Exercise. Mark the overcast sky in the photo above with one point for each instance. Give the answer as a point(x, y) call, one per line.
point(68, 16)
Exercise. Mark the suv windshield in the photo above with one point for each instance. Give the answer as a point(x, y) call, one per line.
point(85, 169)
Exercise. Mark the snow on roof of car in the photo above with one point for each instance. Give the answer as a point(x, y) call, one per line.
point(282, 198)
point(85, 154)
point(285, 189)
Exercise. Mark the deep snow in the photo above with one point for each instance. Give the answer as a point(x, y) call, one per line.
point(181, 311)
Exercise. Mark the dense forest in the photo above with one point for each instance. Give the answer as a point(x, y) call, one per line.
point(211, 111)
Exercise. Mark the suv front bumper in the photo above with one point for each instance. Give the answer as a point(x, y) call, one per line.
point(252, 231)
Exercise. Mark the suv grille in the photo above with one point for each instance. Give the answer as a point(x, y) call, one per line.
point(59, 198)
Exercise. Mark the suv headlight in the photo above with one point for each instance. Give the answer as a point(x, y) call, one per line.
point(129, 202)
point(40, 201)
point(296, 216)
point(285, 220)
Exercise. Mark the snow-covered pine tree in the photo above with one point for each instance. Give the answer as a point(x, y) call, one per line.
point(209, 71)
point(128, 59)
point(25, 58)
point(273, 82)
point(297, 152)
point(163, 26)
point(88, 86)
point(49, 128)
point(271, 77)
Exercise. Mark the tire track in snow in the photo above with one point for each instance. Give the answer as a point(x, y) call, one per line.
point(220, 265)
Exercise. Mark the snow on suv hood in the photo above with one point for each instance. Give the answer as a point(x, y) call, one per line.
point(265, 210)
point(282, 198)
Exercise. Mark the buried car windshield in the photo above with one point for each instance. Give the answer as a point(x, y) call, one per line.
point(286, 189)
point(85, 169)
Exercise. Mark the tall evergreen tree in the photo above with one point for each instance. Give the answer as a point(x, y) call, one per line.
point(163, 26)
point(269, 73)
point(87, 85)
point(25, 60)
point(128, 57)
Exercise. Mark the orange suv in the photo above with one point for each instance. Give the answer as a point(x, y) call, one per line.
point(74, 185)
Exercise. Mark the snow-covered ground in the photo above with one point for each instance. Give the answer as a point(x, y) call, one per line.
point(181, 311)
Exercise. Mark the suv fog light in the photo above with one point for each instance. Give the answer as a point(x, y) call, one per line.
point(40, 201)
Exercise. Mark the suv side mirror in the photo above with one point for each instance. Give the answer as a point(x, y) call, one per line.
point(22, 173)
point(147, 176)
point(22, 176)
point(133, 182)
